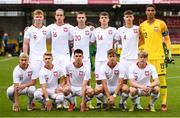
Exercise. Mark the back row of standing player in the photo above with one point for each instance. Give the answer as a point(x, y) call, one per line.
point(59, 34)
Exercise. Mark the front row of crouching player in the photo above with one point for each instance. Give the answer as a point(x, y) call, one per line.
point(58, 85)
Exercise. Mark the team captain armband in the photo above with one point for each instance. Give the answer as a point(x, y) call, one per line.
point(165, 33)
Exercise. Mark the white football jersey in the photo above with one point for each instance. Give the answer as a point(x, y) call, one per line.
point(129, 38)
point(143, 76)
point(77, 75)
point(112, 75)
point(104, 41)
point(60, 36)
point(37, 45)
point(81, 39)
point(50, 77)
point(23, 76)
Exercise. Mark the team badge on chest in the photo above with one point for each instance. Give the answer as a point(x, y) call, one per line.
point(55, 73)
point(20, 77)
point(147, 73)
point(35, 36)
point(86, 32)
point(65, 29)
point(44, 32)
point(156, 29)
point(29, 73)
point(81, 73)
point(135, 31)
point(110, 32)
point(116, 72)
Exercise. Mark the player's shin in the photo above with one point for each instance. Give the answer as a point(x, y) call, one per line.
point(154, 98)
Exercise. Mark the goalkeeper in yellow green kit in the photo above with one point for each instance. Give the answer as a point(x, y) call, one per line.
point(153, 31)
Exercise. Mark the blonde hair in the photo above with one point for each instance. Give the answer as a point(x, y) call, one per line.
point(23, 55)
point(38, 12)
point(143, 54)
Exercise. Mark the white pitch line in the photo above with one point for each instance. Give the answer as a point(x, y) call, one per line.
point(173, 77)
point(6, 59)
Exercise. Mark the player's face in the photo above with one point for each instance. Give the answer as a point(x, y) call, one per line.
point(142, 61)
point(48, 60)
point(38, 18)
point(81, 18)
point(112, 59)
point(128, 19)
point(59, 16)
point(23, 62)
point(78, 57)
point(150, 12)
point(104, 20)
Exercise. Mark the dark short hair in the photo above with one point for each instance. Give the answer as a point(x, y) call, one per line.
point(143, 54)
point(111, 52)
point(91, 24)
point(47, 54)
point(80, 12)
point(151, 5)
point(128, 12)
point(104, 14)
point(78, 51)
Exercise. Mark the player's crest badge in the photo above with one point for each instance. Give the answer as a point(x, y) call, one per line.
point(147, 73)
point(65, 29)
point(44, 32)
point(55, 73)
point(81, 73)
point(86, 32)
point(21, 77)
point(156, 29)
point(110, 32)
point(29, 73)
point(46, 79)
point(135, 31)
point(35, 36)
point(107, 76)
point(116, 72)
point(136, 77)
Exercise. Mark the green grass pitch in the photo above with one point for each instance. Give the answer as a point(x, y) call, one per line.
point(173, 79)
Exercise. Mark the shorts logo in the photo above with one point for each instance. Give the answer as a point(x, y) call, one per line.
point(55, 73)
point(156, 29)
point(147, 73)
point(135, 31)
point(86, 32)
point(110, 32)
point(81, 73)
point(116, 72)
point(65, 29)
point(97, 75)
